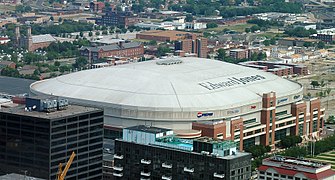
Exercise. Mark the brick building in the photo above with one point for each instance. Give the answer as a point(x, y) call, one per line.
point(276, 121)
point(239, 53)
point(280, 69)
point(160, 35)
point(31, 42)
point(130, 49)
point(193, 45)
point(97, 6)
point(114, 18)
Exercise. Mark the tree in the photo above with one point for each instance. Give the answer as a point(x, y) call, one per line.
point(331, 119)
point(11, 72)
point(211, 25)
point(273, 41)
point(90, 34)
point(290, 141)
point(152, 42)
point(97, 33)
point(80, 62)
point(257, 150)
point(60, 20)
point(308, 44)
point(51, 18)
point(123, 30)
point(321, 45)
point(162, 50)
point(266, 43)
point(189, 18)
point(81, 34)
point(57, 63)
point(221, 54)
point(315, 84)
point(105, 32)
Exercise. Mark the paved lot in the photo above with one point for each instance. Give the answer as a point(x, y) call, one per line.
point(12, 86)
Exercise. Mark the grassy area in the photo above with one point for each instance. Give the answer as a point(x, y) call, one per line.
point(235, 27)
point(328, 157)
point(6, 8)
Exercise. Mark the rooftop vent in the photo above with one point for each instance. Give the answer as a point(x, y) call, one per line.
point(169, 62)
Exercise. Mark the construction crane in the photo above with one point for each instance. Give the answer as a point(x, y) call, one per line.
point(62, 173)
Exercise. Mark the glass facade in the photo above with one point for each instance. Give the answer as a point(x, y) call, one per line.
point(38, 145)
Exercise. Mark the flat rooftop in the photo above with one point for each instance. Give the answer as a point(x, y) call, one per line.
point(12, 86)
point(70, 110)
point(166, 33)
point(14, 176)
point(148, 129)
point(295, 161)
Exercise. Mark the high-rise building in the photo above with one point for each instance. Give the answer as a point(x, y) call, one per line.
point(193, 45)
point(155, 153)
point(288, 168)
point(37, 137)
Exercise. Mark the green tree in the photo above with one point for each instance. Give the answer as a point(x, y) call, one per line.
point(321, 45)
point(57, 63)
point(257, 150)
point(308, 44)
point(315, 84)
point(211, 25)
point(90, 34)
point(81, 34)
point(11, 72)
point(221, 54)
point(189, 18)
point(97, 33)
point(290, 141)
point(162, 50)
point(266, 43)
point(152, 42)
point(81, 62)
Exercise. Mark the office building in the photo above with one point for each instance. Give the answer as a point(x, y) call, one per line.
point(119, 19)
point(37, 137)
point(193, 45)
point(155, 153)
point(288, 168)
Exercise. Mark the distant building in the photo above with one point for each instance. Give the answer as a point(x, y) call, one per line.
point(14, 176)
point(120, 19)
point(31, 42)
point(4, 64)
point(280, 69)
point(123, 49)
point(155, 153)
point(239, 53)
point(193, 45)
point(97, 6)
point(38, 136)
point(160, 35)
point(4, 40)
point(279, 167)
point(289, 41)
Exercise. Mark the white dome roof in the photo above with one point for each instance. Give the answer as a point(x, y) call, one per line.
point(195, 84)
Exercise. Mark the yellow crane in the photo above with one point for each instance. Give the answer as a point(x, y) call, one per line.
point(62, 173)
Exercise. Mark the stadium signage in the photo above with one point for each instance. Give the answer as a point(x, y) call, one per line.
point(234, 111)
point(282, 100)
point(232, 81)
point(200, 114)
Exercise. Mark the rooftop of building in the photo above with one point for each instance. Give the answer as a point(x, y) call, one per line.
point(43, 38)
point(169, 33)
point(14, 176)
point(113, 47)
point(148, 129)
point(70, 110)
point(296, 161)
point(195, 84)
